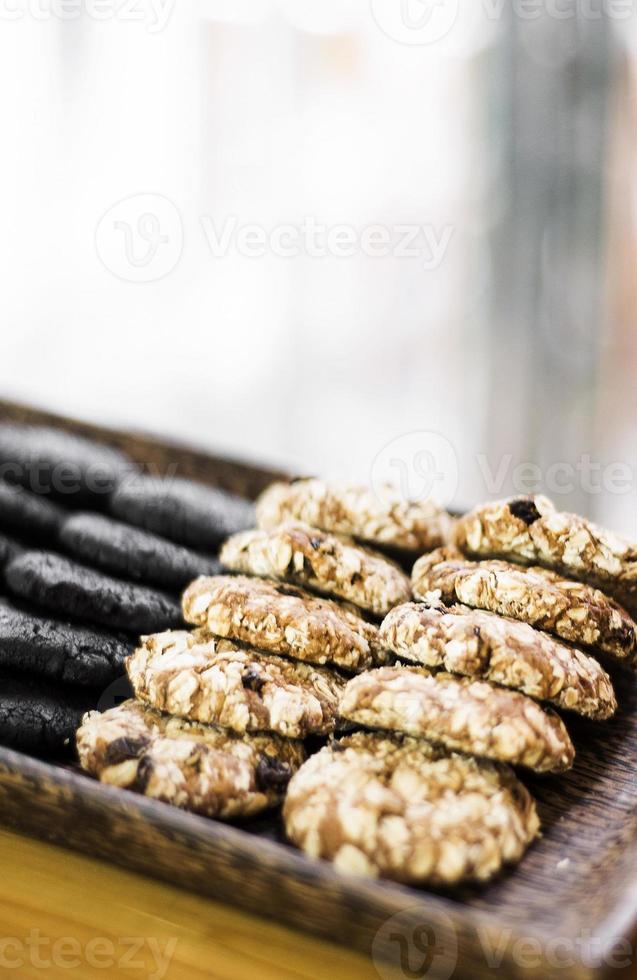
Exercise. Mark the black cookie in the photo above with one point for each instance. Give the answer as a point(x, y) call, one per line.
point(37, 716)
point(135, 554)
point(29, 514)
point(9, 549)
point(63, 651)
point(74, 590)
point(68, 467)
point(186, 512)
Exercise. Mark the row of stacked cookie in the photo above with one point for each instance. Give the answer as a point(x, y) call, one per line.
point(449, 816)
point(265, 657)
point(518, 649)
point(516, 629)
point(77, 581)
point(410, 803)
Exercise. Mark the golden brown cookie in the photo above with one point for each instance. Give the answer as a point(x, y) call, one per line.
point(317, 560)
point(460, 713)
point(279, 618)
point(384, 518)
point(195, 767)
point(404, 809)
point(530, 530)
point(504, 651)
point(203, 678)
point(571, 610)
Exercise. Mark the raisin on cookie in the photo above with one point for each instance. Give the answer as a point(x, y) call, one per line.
point(404, 809)
point(531, 531)
point(571, 610)
point(504, 651)
point(196, 767)
point(382, 518)
point(73, 590)
point(189, 513)
point(466, 715)
point(133, 553)
point(203, 678)
point(280, 618)
point(317, 560)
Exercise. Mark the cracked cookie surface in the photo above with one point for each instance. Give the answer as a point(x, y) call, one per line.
point(135, 554)
point(65, 652)
point(571, 610)
point(203, 678)
point(196, 767)
point(279, 618)
point(463, 714)
point(504, 651)
point(189, 513)
point(530, 530)
point(68, 588)
point(384, 518)
point(321, 561)
point(405, 809)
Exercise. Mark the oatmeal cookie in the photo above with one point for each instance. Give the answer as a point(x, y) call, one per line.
point(314, 559)
point(404, 809)
point(504, 651)
point(571, 610)
point(530, 530)
point(203, 678)
point(460, 713)
point(283, 619)
point(196, 767)
point(383, 518)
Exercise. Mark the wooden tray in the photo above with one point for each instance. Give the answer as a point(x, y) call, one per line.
point(569, 910)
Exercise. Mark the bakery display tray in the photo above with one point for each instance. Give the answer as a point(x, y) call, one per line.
point(568, 910)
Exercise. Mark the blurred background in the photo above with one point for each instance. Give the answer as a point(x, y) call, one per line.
point(360, 238)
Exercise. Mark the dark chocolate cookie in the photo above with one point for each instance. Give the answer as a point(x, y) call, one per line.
point(48, 461)
point(135, 554)
point(37, 716)
point(70, 589)
point(28, 514)
point(9, 549)
point(187, 512)
point(63, 651)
